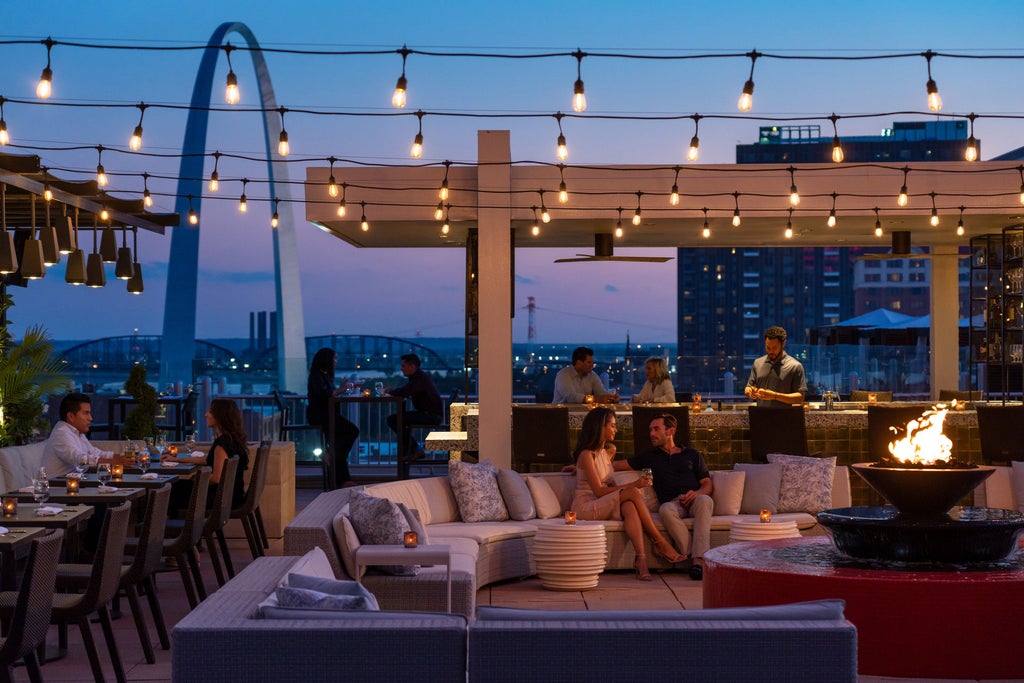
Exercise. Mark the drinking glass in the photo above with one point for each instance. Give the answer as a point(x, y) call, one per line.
point(41, 490)
point(379, 387)
point(144, 462)
point(82, 464)
point(190, 443)
point(103, 473)
point(129, 450)
point(160, 445)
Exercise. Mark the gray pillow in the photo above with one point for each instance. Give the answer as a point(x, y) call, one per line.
point(760, 487)
point(476, 491)
point(307, 599)
point(378, 521)
point(333, 587)
point(517, 495)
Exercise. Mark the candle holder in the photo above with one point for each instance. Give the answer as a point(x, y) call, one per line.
point(172, 450)
point(766, 516)
point(570, 517)
point(10, 506)
point(872, 398)
point(72, 484)
point(117, 471)
point(589, 399)
point(367, 393)
point(410, 539)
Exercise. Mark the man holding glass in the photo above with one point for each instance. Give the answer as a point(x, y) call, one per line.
point(68, 442)
point(575, 382)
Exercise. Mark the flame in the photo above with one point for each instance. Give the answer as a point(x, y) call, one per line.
point(924, 444)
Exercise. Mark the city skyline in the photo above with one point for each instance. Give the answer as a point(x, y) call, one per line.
point(389, 291)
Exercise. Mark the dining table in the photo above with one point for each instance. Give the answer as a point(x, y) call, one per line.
point(72, 519)
point(127, 480)
point(14, 546)
point(402, 467)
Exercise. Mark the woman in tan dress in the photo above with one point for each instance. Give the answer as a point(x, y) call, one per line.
point(598, 497)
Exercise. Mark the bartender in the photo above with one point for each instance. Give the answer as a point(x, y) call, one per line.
point(776, 378)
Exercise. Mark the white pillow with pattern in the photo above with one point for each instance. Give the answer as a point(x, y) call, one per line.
point(476, 491)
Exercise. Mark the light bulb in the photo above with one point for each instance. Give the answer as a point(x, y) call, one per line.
point(214, 182)
point(47, 193)
point(960, 228)
point(243, 205)
point(794, 196)
point(618, 229)
point(101, 176)
point(231, 93)
point(831, 222)
point(104, 214)
point(579, 99)
point(971, 153)
point(364, 224)
point(1022, 193)
point(563, 150)
point(636, 217)
point(193, 217)
point(837, 151)
point(5, 138)
point(903, 199)
point(45, 87)
point(341, 209)
point(878, 228)
point(544, 215)
point(282, 144)
point(417, 146)
point(445, 228)
point(147, 199)
point(442, 194)
point(563, 194)
point(789, 231)
point(398, 99)
point(736, 218)
point(694, 151)
point(673, 198)
point(274, 220)
point(934, 220)
point(934, 101)
point(706, 232)
point(135, 144)
point(332, 187)
point(535, 230)
point(439, 211)
point(747, 98)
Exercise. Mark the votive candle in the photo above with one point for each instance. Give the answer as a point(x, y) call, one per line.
point(117, 470)
point(72, 485)
point(766, 516)
point(410, 539)
point(10, 507)
point(570, 517)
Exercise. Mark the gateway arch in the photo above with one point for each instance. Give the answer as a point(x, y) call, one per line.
point(179, 330)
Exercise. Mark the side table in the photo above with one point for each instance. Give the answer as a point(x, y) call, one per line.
point(569, 557)
point(762, 531)
point(406, 557)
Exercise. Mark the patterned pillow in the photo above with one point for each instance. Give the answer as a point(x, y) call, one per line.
point(476, 491)
point(806, 482)
point(303, 598)
point(378, 521)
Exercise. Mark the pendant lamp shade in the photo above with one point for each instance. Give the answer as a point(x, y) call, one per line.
point(108, 245)
point(135, 284)
point(32, 266)
point(123, 270)
point(94, 275)
point(48, 238)
point(75, 272)
point(8, 257)
point(66, 241)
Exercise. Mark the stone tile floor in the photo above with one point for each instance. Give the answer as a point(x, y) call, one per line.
point(617, 590)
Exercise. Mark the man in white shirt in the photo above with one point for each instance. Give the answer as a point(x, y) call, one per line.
point(575, 382)
point(68, 440)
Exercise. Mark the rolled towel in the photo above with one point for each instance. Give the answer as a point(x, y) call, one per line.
point(49, 511)
point(149, 476)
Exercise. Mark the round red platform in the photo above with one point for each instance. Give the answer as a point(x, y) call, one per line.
point(915, 624)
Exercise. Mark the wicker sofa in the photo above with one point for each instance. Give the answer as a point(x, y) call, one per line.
point(222, 640)
point(484, 552)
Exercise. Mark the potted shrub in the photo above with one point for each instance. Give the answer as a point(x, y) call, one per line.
point(141, 419)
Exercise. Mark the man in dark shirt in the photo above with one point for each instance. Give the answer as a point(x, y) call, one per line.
point(683, 486)
point(427, 407)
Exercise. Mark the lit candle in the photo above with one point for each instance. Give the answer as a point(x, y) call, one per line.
point(766, 516)
point(588, 399)
point(872, 397)
point(172, 450)
point(117, 471)
point(10, 507)
point(366, 393)
point(570, 517)
point(411, 538)
point(72, 485)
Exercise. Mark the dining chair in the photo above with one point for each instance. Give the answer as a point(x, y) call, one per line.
point(999, 429)
point(249, 511)
point(217, 516)
point(540, 436)
point(32, 606)
point(179, 540)
point(143, 553)
point(642, 416)
point(777, 430)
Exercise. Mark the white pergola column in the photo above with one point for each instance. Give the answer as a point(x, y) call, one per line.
point(945, 331)
point(494, 182)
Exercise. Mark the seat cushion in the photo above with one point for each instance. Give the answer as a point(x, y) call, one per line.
point(481, 532)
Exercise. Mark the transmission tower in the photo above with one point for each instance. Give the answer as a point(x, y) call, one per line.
point(531, 330)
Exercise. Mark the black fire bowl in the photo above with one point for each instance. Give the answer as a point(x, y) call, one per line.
point(925, 492)
point(964, 535)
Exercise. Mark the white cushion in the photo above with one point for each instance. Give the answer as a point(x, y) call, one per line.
point(348, 542)
point(727, 491)
point(806, 482)
point(623, 477)
point(476, 491)
point(544, 498)
point(378, 521)
point(517, 495)
point(313, 563)
point(1018, 484)
point(760, 487)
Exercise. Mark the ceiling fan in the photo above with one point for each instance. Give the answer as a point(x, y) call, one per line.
point(900, 249)
point(604, 251)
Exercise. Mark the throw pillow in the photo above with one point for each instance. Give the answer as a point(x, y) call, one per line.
point(1018, 484)
point(806, 482)
point(348, 542)
point(333, 587)
point(476, 491)
point(544, 498)
point(760, 487)
point(517, 495)
point(307, 599)
point(727, 491)
point(313, 563)
point(378, 521)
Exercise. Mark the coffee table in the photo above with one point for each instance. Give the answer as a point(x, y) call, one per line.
point(569, 557)
point(400, 555)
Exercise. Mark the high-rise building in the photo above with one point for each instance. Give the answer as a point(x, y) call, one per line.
point(728, 297)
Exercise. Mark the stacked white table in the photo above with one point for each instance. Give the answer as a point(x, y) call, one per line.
point(569, 557)
point(762, 531)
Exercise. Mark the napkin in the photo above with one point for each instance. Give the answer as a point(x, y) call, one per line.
point(149, 476)
point(4, 530)
point(26, 489)
point(106, 489)
point(197, 454)
point(49, 511)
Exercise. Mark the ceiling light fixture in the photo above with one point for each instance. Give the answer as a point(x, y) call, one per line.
point(47, 237)
point(579, 99)
point(66, 240)
point(74, 273)
point(95, 276)
point(108, 244)
point(123, 269)
point(398, 99)
point(135, 285)
point(934, 101)
point(747, 97)
point(694, 151)
point(8, 255)
point(45, 87)
point(32, 265)
point(135, 143)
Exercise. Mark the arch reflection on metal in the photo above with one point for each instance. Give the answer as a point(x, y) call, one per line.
point(179, 330)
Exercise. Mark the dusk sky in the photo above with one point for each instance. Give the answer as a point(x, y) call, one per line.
point(404, 292)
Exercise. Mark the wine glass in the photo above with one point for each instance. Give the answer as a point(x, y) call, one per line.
point(41, 490)
point(144, 459)
point(379, 387)
point(160, 446)
point(190, 443)
point(103, 473)
point(82, 464)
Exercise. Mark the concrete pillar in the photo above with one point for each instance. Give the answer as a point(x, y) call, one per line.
point(494, 180)
point(945, 319)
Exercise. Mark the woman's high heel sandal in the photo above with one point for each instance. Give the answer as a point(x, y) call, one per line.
point(665, 551)
point(640, 565)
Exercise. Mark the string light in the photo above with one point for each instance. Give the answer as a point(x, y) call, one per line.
point(101, 175)
point(563, 193)
point(447, 225)
point(1020, 169)
point(439, 211)
point(694, 150)
point(831, 222)
point(45, 87)
point(442, 194)
point(971, 151)
point(579, 99)
point(398, 98)
point(544, 215)
point(5, 138)
point(618, 224)
point(934, 101)
point(636, 214)
point(104, 213)
point(878, 224)
point(282, 140)
point(837, 149)
point(193, 217)
point(706, 232)
point(275, 219)
point(789, 225)
point(231, 93)
point(747, 96)
point(364, 224)
point(332, 184)
point(534, 229)
point(147, 198)
point(794, 196)
point(417, 144)
point(47, 190)
point(341, 202)
point(934, 220)
point(673, 198)
point(903, 199)
point(561, 149)
point(215, 177)
point(960, 223)
point(243, 204)
point(135, 143)
point(736, 212)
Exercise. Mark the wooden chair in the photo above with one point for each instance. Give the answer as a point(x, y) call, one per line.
point(861, 396)
point(540, 436)
point(249, 511)
point(777, 430)
point(881, 420)
point(33, 605)
point(999, 428)
point(642, 416)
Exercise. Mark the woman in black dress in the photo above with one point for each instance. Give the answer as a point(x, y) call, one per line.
point(225, 419)
point(319, 389)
